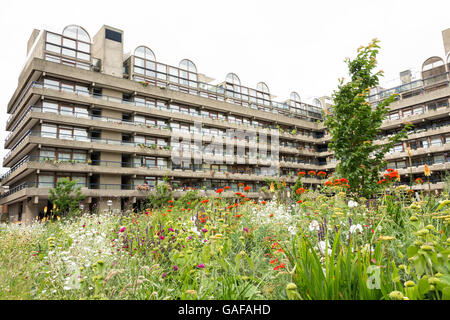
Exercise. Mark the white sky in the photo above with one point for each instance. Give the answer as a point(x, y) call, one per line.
point(290, 45)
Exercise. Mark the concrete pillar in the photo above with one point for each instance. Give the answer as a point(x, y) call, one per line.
point(103, 205)
point(108, 46)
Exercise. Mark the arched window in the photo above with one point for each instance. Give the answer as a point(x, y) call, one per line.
point(188, 65)
point(433, 71)
point(232, 78)
point(145, 53)
point(295, 97)
point(316, 103)
point(261, 86)
point(76, 32)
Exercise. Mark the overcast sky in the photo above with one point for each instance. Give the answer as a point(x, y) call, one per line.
point(290, 45)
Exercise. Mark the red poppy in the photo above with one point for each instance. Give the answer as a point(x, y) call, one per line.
point(227, 187)
point(301, 173)
point(205, 201)
point(219, 191)
point(247, 188)
point(300, 190)
point(170, 201)
point(238, 215)
point(311, 173)
point(343, 180)
point(299, 201)
point(328, 183)
point(263, 202)
point(279, 266)
point(321, 173)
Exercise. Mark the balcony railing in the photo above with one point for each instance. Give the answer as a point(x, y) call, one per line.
point(421, 84)
point(120, 164)
point(36, 84)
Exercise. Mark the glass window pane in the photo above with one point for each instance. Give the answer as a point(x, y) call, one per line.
point(52, 48)
point(53, 38)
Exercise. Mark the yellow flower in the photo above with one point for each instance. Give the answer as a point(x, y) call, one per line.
point(45, 209)
point(284, 183)
point(272, 188)
point(408, 150)
point(427, 171)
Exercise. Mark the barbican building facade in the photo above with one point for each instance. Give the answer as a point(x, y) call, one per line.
point(113, 121)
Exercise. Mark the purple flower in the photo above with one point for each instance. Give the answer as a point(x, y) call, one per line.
point(204, 230)
point(164, 275)
point(162, 237)
point(246, 230)
point(122, 229)
point(175, 268)
point(170, 229)
point(201, 266)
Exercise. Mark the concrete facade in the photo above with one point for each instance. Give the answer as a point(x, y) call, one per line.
point(86, 110)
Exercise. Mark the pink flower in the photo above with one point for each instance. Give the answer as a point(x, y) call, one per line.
point(122, 229)
point(201, 266)
point(246, 230)
point(175, 268)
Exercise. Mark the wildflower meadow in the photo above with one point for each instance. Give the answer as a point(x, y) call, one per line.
point(301, 244)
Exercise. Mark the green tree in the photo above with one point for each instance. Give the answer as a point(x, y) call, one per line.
point(66, 196)
point(354, 124)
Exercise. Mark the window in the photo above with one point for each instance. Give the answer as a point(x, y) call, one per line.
point(45, 181)
point(48, 131)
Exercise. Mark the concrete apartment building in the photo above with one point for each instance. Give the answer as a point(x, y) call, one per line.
point(113, 121)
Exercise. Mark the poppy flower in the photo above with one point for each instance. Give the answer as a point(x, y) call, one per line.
point(227, 187)
point(247, 188)
point(299, 201)
point(170, 201)
point(205, 201)
point(238, 215)
point(321, 173)
point(343, 180)
point(301, 173)
point(328, 183)
point(311, 173)
point(219, 191)
point(279, 266)
point(300, 190)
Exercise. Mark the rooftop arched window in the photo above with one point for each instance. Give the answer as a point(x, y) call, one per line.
point(233, 78)
point(261, 86)
point(316, 103)
point(188, 65)
point(295, 97)
point(433, 71)
point(76, 32)
point(144, 53)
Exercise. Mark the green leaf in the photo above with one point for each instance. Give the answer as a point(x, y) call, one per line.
point(412, 250)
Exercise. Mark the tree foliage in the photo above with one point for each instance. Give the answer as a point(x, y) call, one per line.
point(66, 196)
point(354, 124)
